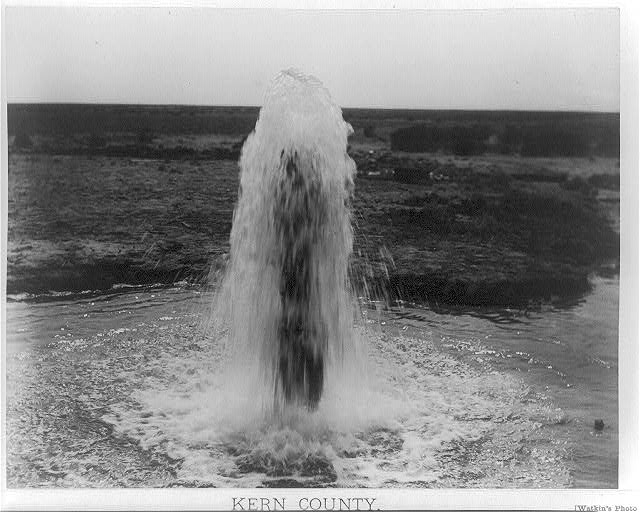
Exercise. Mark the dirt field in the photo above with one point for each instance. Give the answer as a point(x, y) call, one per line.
point(106, 195)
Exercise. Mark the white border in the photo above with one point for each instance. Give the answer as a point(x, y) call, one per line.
point(628, 359)
point(385, 499)
point(467, 499)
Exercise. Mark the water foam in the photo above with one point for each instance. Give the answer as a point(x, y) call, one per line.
point(429, 420)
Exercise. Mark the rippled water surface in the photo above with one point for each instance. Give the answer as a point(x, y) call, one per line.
point(130, 389)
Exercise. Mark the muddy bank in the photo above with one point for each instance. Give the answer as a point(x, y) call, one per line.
point(457, 236)
point(77, 223)
point(469, 237)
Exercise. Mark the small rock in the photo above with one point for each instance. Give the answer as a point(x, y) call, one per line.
point(598, 424)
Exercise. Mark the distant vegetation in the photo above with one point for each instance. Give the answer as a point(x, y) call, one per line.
point(61, 119)
point(570, 137)
point(457, 132)
point(22, 140)
point(456, 139)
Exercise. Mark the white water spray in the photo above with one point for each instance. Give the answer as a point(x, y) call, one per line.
point(285, 297)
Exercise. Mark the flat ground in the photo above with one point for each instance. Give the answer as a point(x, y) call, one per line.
point(104, 195)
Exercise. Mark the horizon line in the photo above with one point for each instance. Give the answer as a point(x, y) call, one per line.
point(426, 109)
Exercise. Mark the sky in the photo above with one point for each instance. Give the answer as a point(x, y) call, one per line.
point(525, 59)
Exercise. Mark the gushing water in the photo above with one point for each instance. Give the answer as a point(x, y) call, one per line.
point(286, 297)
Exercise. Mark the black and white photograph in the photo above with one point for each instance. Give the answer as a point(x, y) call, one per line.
point(331, 252)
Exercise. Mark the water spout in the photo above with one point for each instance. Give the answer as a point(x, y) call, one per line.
point(286, 289)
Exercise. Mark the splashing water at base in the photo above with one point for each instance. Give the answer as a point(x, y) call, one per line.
point(146, 404)
point(285, 297)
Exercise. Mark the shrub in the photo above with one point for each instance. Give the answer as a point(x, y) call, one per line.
point(608, 181)
point(578, 184)
point(146, 137)
point(97, 141)
point(555, 141)
point(22, 140)
point(370, 131)
point(457, 139)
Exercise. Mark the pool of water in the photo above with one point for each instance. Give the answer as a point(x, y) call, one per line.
point(131, 388)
